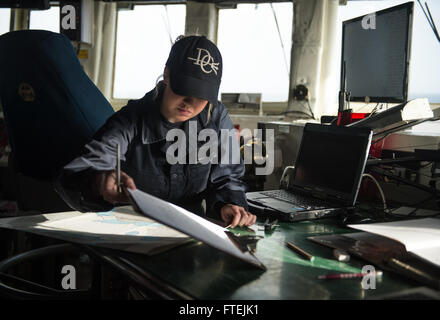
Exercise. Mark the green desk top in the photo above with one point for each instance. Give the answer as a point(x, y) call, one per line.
point(207, 273)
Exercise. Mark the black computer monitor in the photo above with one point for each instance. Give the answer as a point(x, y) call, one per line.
point(376, 54)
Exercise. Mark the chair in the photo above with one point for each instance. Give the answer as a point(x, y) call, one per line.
point(51, 109)
point(13, 287)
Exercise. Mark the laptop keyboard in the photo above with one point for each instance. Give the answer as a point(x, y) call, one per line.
point(295, 199)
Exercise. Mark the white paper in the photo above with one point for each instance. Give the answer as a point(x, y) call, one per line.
point(190, 224)
point(420, 236)
point(121, 228)
point(114, 223)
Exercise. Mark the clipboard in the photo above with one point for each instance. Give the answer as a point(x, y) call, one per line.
point(191, 224)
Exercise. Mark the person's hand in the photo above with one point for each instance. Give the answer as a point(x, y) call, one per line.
point(107, 186)
point(236, 215)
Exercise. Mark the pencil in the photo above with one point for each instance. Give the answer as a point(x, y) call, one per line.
point(118, 168)
point(299, 251)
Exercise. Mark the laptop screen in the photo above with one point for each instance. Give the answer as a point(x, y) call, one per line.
point(331, 160)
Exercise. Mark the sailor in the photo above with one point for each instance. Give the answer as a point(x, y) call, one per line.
point(186, 100)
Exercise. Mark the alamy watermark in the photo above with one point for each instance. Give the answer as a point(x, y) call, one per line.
point(369, 22)
point(68, 282)
point(221, 149)
point(68, 21)
point(370, 276)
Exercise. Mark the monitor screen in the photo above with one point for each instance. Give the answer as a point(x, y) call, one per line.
point(375, 50)
point(332, 160)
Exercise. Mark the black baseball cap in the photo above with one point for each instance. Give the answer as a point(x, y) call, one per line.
point(195, 66)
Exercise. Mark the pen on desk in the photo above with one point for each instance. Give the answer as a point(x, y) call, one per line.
point(118, 168)
point(349, 275)
point(299, 251)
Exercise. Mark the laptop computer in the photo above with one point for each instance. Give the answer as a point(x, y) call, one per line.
point(326, 179)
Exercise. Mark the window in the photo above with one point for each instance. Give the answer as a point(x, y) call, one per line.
point(5, 16)
point(45, 19)
point(424, 72)
point(144, 39)
point(254, 59)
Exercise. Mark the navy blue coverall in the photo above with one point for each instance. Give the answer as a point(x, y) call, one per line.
point(141, 130)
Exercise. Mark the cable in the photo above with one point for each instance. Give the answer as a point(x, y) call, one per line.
point(167, 24)
point(365, 106)
point(430, 20)
point(433, 23)
point(310, 109)
point(374, 110)
point(380, 139)
point(283, 113)
point(380, 190)
point(281, 39)
point(335, 119)
point(424, 12)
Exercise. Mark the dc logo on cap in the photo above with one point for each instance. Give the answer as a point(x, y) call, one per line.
point(205, 61)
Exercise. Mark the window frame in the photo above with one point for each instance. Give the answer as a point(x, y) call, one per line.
point(118, 103)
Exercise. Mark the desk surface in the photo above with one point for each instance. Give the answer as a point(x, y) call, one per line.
point(206, 273)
